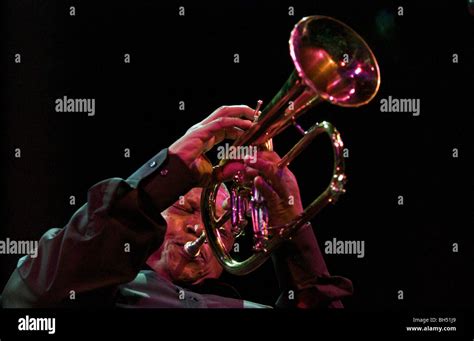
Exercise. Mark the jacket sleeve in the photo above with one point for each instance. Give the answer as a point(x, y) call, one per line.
point(303, 277)
point(105, 243)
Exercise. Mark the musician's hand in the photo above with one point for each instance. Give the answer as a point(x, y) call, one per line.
point(278, 186)
point(227, 122)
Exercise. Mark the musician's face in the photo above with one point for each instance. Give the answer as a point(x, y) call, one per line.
point(184, 224)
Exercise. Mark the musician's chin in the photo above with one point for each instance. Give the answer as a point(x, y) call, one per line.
point(182, 268)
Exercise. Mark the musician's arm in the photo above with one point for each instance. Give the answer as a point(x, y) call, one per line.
point(302, 273)
point(303, 277)
point(105, 243)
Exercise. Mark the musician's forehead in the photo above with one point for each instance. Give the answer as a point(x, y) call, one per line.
point(193, 196)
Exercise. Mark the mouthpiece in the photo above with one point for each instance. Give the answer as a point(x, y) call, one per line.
point(193, 248)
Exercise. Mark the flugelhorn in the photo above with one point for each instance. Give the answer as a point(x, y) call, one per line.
point(332, 63)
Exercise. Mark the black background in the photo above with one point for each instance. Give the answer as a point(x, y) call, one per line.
point(190, 58)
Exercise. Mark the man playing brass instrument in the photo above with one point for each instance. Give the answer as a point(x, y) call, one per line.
point(98, 257)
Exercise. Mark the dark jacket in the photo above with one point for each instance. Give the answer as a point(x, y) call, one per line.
point(85, 263)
